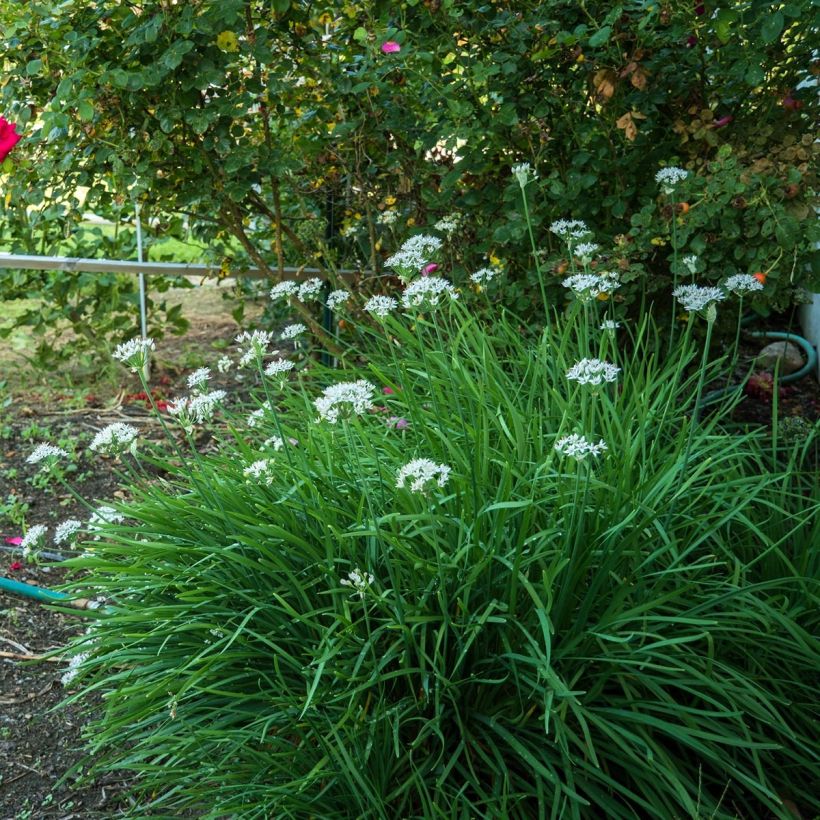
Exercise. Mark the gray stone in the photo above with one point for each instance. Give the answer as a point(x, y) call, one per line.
point(789, 355)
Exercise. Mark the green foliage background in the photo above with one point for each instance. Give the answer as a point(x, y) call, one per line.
point(274, 125)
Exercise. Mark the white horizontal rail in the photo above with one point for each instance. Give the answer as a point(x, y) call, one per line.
point(80, 265)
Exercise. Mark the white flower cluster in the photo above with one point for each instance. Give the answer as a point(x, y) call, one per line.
point(610, 325)
point(585, 251)
point(593, 371)
point(115, 439)
point(253, 345)
point(669, 177)
point(414, 254)
point(278, 367)
point(66, 530)
point(742, 283)
point(199, 408)
point(33, 539)
point(380, 306)
point(690, 263)
point(309, 289)
point(198, 378)
point(134, 352)
point(344, 400)
point(448, 224)
point(523, 173)
point(388, 217)
point(74, 667)
point(423, 472)
point(224, 364)
point(276, 443)
point(260, 471)
point(483, 276)
point(103, 515)
point(569, 229)
point(336, 298)
point(258, 415)
point(588, 286)
point(695, 298)
point(284, 290)
point(427, 291)
point(578, 447)
point(359, 580)
point(42, 452)
point(292, 331)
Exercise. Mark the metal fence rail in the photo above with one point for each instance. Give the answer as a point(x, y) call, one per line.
point(80, 265)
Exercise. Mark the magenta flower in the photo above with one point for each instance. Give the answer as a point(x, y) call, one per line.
point(390, 47)
point(428, 269)
point(8, 137)
point(691, 41)
point(388, 391)
point(722, 121)
point(700, 9)
point(14, 540)
point(399, 423)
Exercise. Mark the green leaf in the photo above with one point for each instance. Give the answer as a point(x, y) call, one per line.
point(281, 6)
point(33, 67)
point(85, 111)
point(723, 24)
point(601, 36)
point(772, 26)
point(360, 35)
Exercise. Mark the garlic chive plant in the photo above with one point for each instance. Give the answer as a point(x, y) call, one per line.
point(554, 590)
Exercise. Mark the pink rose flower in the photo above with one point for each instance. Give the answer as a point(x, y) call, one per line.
point(390, 47)
point(8, 137)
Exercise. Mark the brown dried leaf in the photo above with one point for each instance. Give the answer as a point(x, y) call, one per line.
point(627, 124)
point(639, 78)
point(604, 83)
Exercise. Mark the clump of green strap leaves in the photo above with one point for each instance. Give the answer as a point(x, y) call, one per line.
point(273, 127)
point(626, 635)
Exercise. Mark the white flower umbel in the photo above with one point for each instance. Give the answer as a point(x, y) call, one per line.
point(202, 407)
point(336, 298)
point(278, 367)
point(115, 439)
point(360, 581)
point(134, 353)
point(46, 452)
point(423, 473)
point(260, 472)
point(585, 251)
point(309, 290)
point(427, 292)
point(381, 306)
point(258, 415)
point(224, 364)
point(523, 173)
point(448, 224)
point(587, 286)
point(74, 665)
point(253, 346)
point(199, 378)
point(570, 229)
point(742, 283)
point(578, 447)
point(694, 298)
point(103, 515)
point(690, 263)
point(669, 177)
point(66, 531)
point(593, 371)
point(610, 325)
point(344, 400)
point(276, 443)
point(388, 217)
point(33, 540)
point(483, 276)
point(292, 331)
point(414, 254)
point(284, 290)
